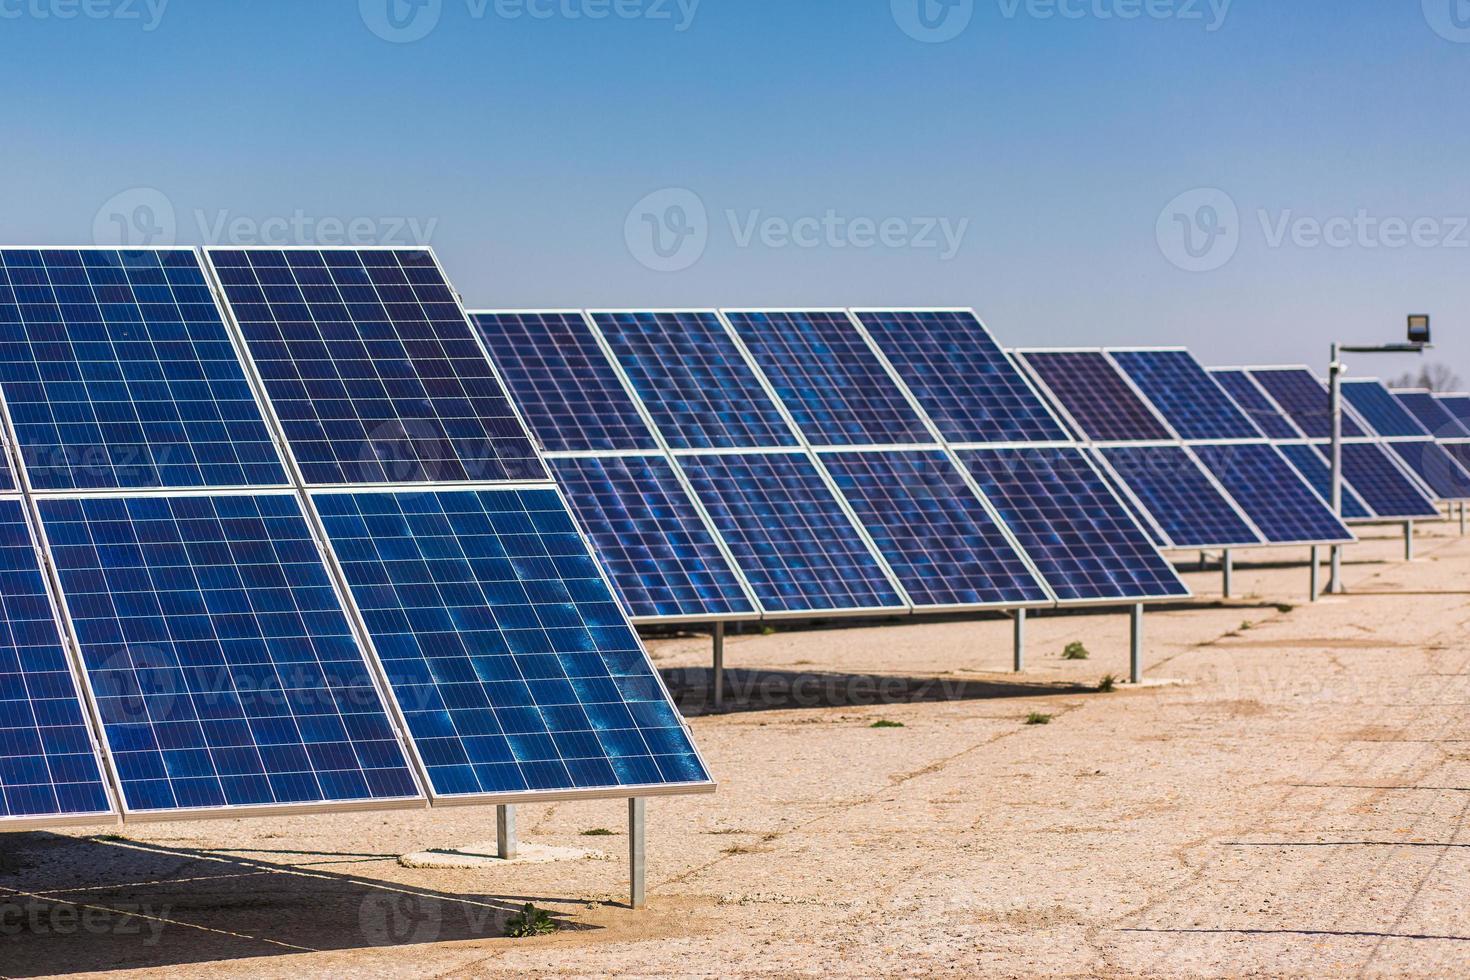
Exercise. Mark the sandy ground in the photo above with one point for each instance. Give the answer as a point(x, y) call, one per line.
point(1296, 806)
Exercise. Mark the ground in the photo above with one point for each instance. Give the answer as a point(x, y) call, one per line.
point(1295, 805)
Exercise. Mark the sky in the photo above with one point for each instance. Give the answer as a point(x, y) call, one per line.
point(1249, 178)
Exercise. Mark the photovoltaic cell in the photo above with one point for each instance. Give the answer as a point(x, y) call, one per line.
point(1381, 410)
point(789, 534)
point(1382, 485)
point(1305, 399)
point(566, 389)
point(508, 654)
point(1183, 391)
point(1459, 452)
point(1144, 521)
point(1181, 498)
point(372, 367)
point(694, 381)
point(219, 654)
point(48, 765)
point(933, 530)
point(1458, 406)
point(1254, 402)
point(119, 373)
point(1437, 468)
point(1432, 414)
point(1084, 541)
point(1313, 467)
point(1272, 494)
point(829, 378)
point(1096, 396)
point(662, 558)
point(962, 378)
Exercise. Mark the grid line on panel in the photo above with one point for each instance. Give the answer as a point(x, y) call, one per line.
point(1130, 501)
point(119, 373)
point(1458, 406)
point(1306, 400)
point(1190, 509)
point(1436, 468)
point(1269, 490)
point(1313, 467)
point(509, 657)
point(1385, 416)
point(1196, 407)
point(1431, 414)
point(372, 368)
point(1386, 488)
point(1097, 396)
point(1254, 401)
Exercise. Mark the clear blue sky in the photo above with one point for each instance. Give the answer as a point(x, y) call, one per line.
point(521, 144)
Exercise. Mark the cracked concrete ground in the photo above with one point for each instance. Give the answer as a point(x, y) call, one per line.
point(1295, 806)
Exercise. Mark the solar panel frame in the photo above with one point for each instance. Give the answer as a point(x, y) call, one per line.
point(1384, 416)
point(1269, 416)
point(1104, 430)
point(1431, 412)
point(1299, 413)
point(1457, 404)
point(1272, 454)
point(1435, 468)
point(1355, 509)
point(1384, 465)
point(1246, 429)
point(1105, 456)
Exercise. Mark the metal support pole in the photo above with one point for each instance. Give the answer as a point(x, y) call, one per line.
point(507, 845)
point(1316, 574)
point(1334, 581)
point(637, 852)
point(1408, 540)
point(719, 666)
point(1135, 646)
point(1462, 518)
point(1227, 566)
point(1020, 657)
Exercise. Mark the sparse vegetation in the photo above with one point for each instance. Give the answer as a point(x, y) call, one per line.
point(884, 723)
point(1245, 626)
point(597, 832)
point(1037, 718)
point(1285, 607)
point(1107, 685)
point(768, 631)
point(1075, 651)
point(530, 921)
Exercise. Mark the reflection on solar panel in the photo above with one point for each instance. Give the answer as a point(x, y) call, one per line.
point(1084, 541)
point(1382, 485)
point(1313, 467)
point(1435, 468)
point(1381, 410)
point(959, 374)
point(1255, 403)
point(1460, 453)
point(1269, 491)
point(830, 379)
point(701, 392)
point(1096, 396)
point(1305, 399)
point(1196, 407)
point(934, 532)
point(222, 662)
point(48, 765)
point(375, 373)
point(1181, 498)
point(662, 559)
point(1458, 406)
point(789, 534)
point(1432, 414)
point(506, 651)
point(562, 382)
point(119, 374)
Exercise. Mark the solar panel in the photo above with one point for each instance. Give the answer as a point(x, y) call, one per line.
point(1435, 467)
point(965, 382)
point(829, 378)
point(1266, 487)
point(1255, 403)
point(1382, 485)
point(1189, 508)
point(1432, 414)
point(1138, 514)
point(49, 770)
point(220, 657)
point(1313, 467)
point(506, 651)
point(692, 378)
point(119, 373)
point(1458, 406)
point(372, 367)
point(1381, 410)
point(933, 530)
point(1096, 396)
point(1305, 399)
point(789, 534)
point(1196, 407)
point(563, 383)
point(1080, 536)
point(663, 560)
point(1459, 452)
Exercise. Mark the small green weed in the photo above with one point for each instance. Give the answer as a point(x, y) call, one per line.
point(884, 723)
point(1037, 718)
point(1107, 685)
point(1075, 651)
point(530, 921)
point(597, 832)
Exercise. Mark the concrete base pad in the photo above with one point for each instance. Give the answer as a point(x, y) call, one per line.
point(482, 855)
point(1155, 682)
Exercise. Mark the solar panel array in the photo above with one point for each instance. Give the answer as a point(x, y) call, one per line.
point(1413, 445)
point(1432, 414)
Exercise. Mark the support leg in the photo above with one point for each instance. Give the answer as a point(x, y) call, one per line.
point(507, 845)
point(1020, 656)
point(1316, 574)
point(1334, 578)
point(1408, 540)
point(1462, 518)
point(1135, 646)
point(1227, 567)
point(637, 852)
point(719, 666)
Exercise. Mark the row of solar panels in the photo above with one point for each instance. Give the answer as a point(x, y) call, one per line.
point(302, 556)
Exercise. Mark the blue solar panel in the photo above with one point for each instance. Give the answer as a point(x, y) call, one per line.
point(1183, 391)
point(789, 534)
point(1305, 399)
point(1313, 467)
point(1273, 494)
point(1382, 485)
point(563, 383)
point(1381, 410)
point(221, 659)
point(119, 373)
point(1436, 468)
point(48, 764)
point(1096, 396)
point(1084, 541)
point(1459, 452)
point(509, 657)
point(1432, 414)
point(959, 374)
point(372, 367)
point(829, 378)
point(1458, 406)
point(662, 559)
point(1144, 521)
point(701, 392)
point(1181, 498)
point(933, 530)
point(1254, 402)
